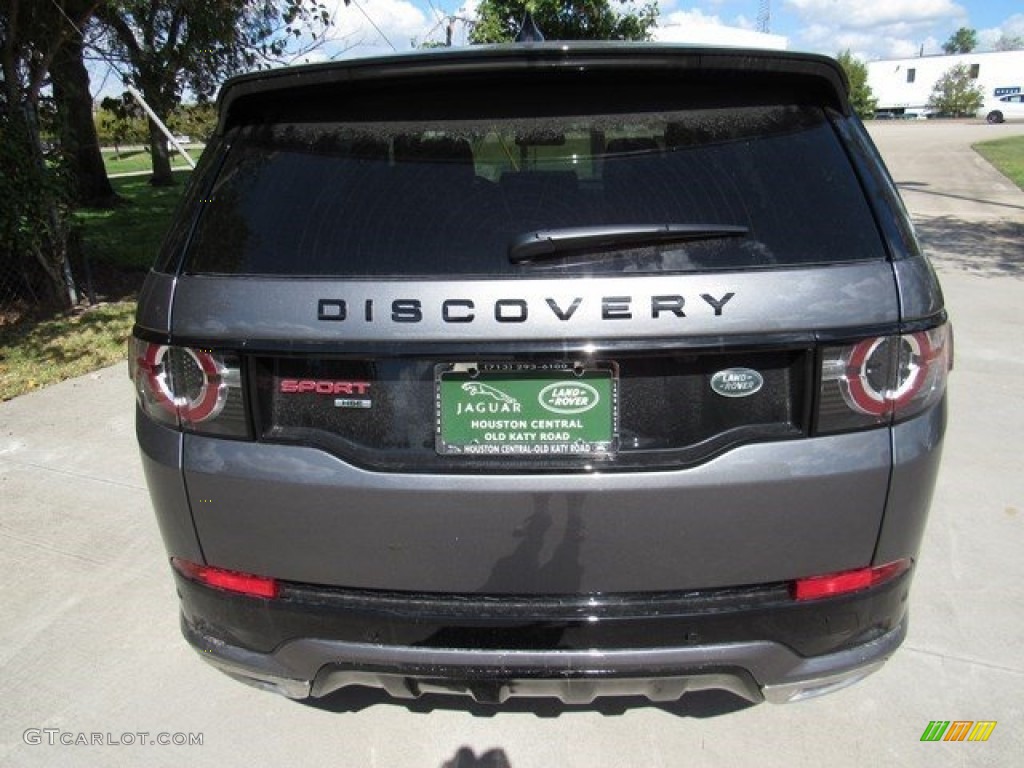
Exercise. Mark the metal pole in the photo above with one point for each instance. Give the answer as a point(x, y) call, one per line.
point(160, 123)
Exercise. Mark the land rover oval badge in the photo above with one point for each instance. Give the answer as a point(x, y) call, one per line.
point(737, 382)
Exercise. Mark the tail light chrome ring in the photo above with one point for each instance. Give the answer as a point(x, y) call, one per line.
point(190, 388)
point(883, 379)
point(154, 364)
point(913, 355)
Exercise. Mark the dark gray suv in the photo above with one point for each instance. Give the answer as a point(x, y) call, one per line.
point(552, 370)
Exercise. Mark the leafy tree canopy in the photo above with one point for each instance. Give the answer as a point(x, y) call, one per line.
point(964, 40)
point(1010, 43)
point(861, 96)
point(956, 93)
point(499, 20)
point(195, 44)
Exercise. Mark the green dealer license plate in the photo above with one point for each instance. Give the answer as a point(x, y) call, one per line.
point(526, 409)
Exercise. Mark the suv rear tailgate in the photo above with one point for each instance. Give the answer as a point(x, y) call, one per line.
point(751, 506)
point(367, 240)
point(756, 514)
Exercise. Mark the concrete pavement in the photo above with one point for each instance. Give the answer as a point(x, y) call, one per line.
point(940, 175)
point(970, 217)
point(89, 642)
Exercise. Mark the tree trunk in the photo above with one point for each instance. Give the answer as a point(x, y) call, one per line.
point(52, 252)
point(77, 129)
point(36, 197)
point(161, 158)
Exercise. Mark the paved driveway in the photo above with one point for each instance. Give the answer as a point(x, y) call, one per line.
point(89, 641)
point(970, 217)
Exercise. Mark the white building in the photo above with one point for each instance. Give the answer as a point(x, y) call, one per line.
point(905, 85)
point(684, 29)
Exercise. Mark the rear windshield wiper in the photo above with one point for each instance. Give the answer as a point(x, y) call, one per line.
point(551, 243)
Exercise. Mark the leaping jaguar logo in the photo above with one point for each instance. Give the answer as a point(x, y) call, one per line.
point(478, 389)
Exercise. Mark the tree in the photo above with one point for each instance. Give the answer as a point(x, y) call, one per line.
point(956, 93)
point(1009, 43)
point(76, 130)
point(195, 44)
point(861, 96)
point(121, 121)
point(964, 40)
point(58, 28)
point(499, 20)
point(197, 121)
point(33, 192)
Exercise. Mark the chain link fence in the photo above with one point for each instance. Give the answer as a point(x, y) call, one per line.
point(23, 286)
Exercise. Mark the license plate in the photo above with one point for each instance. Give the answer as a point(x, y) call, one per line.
point(527, 409)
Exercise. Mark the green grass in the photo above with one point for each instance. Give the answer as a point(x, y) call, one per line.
point(1007, 155)
point(136, 160)
point(36, 353)
point(129, 235)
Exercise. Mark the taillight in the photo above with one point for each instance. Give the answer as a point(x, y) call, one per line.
point(232, 581)
point(882, 379)
point(195, 389)
point(844, 582)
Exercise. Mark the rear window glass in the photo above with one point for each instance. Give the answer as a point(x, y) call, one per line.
point(408, 198)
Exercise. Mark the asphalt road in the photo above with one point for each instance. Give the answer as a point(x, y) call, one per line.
point(89, 642)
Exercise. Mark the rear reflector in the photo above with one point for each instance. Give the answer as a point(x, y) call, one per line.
point(833, 584)
point(232, 581)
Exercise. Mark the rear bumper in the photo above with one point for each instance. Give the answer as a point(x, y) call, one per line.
point(572, 677)
point(753, 644)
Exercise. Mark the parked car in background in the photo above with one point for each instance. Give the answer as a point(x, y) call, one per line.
point(562, 369)
point(1010, 107)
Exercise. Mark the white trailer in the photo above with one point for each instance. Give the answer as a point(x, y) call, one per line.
point(903, 86)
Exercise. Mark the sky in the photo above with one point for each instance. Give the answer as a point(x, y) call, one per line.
point(871, 29)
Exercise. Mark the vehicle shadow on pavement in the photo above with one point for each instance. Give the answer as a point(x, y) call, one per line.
point(466, 758)
point(919, 187)
point(699, 704)
point(992, 248)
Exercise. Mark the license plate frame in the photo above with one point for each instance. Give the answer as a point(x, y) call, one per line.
point(525, 409)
